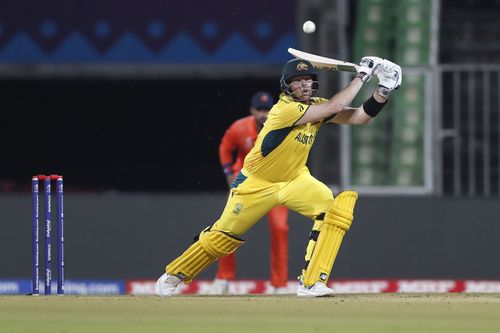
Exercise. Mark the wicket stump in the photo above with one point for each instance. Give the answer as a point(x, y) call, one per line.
point(35, 265)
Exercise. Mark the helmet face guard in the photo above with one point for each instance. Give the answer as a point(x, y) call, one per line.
point(298, 68)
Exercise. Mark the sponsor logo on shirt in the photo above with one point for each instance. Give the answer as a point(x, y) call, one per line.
point(305, 139)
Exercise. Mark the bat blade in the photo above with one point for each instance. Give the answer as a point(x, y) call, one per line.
point(324, 62)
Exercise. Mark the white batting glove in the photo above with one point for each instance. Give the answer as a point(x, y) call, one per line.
point(367, 67)
point(390, 77)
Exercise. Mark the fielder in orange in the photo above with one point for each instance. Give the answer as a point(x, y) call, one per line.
point(237, 141)
point(275, 173)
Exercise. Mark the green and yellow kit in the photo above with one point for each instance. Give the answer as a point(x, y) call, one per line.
point(275, 172)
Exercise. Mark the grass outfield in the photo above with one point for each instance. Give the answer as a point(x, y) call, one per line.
point(343, 313)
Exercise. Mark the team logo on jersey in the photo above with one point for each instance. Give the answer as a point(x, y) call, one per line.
point(237, 208)
point(302, 66)
point(300, 107)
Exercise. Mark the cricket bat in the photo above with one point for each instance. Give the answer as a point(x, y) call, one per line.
point(324, 62)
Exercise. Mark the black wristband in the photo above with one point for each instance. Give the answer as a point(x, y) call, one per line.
point(372, 107)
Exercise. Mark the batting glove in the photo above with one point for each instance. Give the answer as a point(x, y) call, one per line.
point(389, 77)
point(367, 67)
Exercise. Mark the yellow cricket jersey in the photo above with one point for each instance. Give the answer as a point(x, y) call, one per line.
point(281, 149)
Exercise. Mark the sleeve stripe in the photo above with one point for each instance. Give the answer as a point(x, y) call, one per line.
point(303, 114)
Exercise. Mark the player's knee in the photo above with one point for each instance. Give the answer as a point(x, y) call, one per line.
point(218, 243)
point(341, 212)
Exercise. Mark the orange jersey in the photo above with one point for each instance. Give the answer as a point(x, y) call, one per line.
point(236, 143)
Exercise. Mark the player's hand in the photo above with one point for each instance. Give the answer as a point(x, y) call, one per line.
point(367, 67)
point(230, 179)
point(389, 77)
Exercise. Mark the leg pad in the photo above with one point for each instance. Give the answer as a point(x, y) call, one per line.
point(210, 246)
point(337, 221)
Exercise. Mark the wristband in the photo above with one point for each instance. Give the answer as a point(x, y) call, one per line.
point(372, 107)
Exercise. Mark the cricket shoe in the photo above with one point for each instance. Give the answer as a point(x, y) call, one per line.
point(166, 285)
point(219, 287)
point(319, 289)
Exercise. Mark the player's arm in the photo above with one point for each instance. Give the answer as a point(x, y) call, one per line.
point(343, 98)
point(390, 77)
point(333, 106)
point(359, 116)
point(227, 147)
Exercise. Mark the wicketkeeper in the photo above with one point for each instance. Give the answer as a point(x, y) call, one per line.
point(275, 173)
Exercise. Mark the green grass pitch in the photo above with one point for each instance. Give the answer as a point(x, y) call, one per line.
point(257, 314)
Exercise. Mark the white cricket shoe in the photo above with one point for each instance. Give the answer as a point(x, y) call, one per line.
point(319, 289)
point(219, 287)
point(166, 285)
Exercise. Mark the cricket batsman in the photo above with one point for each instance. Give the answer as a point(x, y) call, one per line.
point(237, 141)
point(275, 173)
